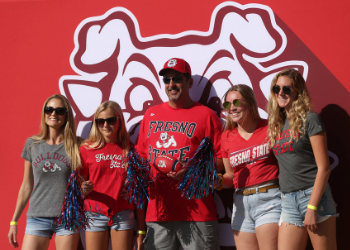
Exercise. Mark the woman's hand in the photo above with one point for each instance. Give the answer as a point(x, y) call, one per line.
point(310, 221)
point(138, 243)
point(218, 183)
point(87, 187)
point(13, 236)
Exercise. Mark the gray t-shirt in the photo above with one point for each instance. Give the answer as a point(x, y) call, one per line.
point(51, 170)
point(296, 160)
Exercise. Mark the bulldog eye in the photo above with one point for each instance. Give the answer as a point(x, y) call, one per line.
point(140, 96)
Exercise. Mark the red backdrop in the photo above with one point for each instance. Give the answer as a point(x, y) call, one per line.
point(37, 40)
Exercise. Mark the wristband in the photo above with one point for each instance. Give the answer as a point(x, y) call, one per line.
point(141, 232)
point(311, 207)
point(13, 223)
point(221, 182)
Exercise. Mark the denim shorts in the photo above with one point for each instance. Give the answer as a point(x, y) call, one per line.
point(124, 220)
point(252, 211)
point(45, 227)
point(294, 205)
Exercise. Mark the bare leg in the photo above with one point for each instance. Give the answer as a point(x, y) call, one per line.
point(33, 242)
point(267, 236)
point(122, 240)
point(67, 242)
point(97, 240)
point(291, 237)
point(324, 238)
point(245, 241)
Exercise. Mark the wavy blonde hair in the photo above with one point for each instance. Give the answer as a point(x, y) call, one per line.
point(249, 99)
point(297, 114)
point(71, 142)
point(96, 139)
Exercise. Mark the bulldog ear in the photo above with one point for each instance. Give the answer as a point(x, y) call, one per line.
point(101, 38)
point(251, 30)
point(83, 96)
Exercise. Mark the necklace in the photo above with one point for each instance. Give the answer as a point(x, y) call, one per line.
point(111, 156)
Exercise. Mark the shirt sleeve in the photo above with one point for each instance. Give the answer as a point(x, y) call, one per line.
point(140, 144)
point(224, 152)
point(314, 124)
point(84, 166)
point(215, 132)
point(26, 153)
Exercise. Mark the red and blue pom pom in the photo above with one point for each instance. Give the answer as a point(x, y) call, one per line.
point(201, 173)
point(138, 178)
point(73, 215)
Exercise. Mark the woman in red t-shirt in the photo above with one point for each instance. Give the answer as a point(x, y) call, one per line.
point(252, 169)
point(104, 172)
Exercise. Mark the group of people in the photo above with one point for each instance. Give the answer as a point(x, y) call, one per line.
point(278, 167)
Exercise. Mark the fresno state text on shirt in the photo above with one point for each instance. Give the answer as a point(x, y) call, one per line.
point(170, 133)
point(249, 155)
point(286, 146)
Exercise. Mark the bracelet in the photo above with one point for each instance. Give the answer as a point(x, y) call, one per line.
point(141, 232)
point(13, 223)
point(311, 207)
point(221, 182)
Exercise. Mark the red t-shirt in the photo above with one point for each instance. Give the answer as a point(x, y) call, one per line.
point(107, 177)
point(177, 132)
point(252, 160)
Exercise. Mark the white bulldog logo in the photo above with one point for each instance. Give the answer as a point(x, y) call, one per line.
point(52, 167)
point(113, 62)
point(172, 63)
point(161, 164)
point(166, 141)
point(244, 44)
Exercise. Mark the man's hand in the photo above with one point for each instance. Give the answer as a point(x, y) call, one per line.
point(180, 174)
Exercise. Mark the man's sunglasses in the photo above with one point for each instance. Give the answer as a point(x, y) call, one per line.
point(110, 121)
point(227, 105)
point(286, 89)
point(58, 111)
point(176, 79)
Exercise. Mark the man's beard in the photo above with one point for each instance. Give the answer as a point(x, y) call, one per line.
point(172, 98)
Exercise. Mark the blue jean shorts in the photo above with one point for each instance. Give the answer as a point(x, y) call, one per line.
point(124, 220)
point(294, 205)
point(252, 211)
point(45, 227)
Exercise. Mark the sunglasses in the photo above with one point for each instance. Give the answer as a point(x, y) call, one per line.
point(227, 105)
point(58, 111)
point(176, 79)
point(110, 121)
point(286, 89)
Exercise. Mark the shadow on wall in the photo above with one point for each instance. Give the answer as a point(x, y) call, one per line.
point(337, 122)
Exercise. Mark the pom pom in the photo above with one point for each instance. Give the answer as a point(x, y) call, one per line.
point(200, 175)
point(73, 215)
point(138, 178)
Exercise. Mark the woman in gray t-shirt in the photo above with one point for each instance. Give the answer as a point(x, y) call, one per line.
point(49, 159)
point(298, 140)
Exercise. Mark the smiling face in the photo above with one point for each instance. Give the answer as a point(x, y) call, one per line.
point(109, 132)
point(285, 101)
point(54, 120)
point(177, 92)
point(237, 114)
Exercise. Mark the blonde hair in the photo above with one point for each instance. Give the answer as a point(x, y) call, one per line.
point(71, 143)
point(249, 99)
point(297, 114)
point(96, 139)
